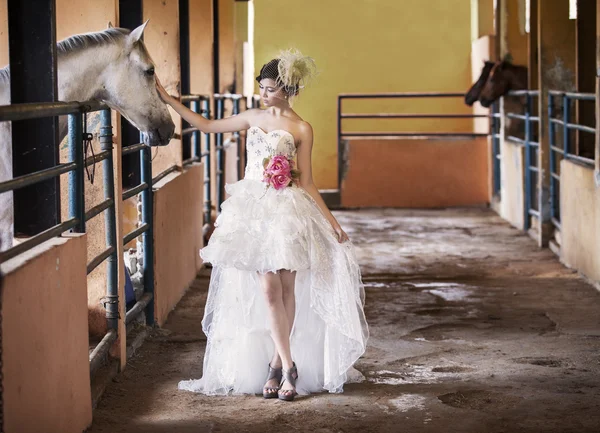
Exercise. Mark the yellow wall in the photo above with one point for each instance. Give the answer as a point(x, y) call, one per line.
point(370, 46)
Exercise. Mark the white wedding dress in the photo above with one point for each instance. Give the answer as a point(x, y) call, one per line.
point(264, 230)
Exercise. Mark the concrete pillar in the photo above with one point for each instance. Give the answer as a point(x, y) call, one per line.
point(557, 59)
point(585, 73)
point(162, 40)
point(512, 42)
point(597, 164)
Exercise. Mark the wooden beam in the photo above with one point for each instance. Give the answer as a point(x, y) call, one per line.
point(32, 54)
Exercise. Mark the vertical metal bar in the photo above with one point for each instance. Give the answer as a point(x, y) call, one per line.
point(566, 120)
point(32, 57)
point(207, 167)
point(526, 222)
point(238, 141)
point(220, 157)
point(216, 47)
point(131, 15)
point(112, 289)
point(184, 45)
point(196, 150)
point(148, 236)
point(252, 106)
point(496, 149)
point(76, 185)
point(552, 156)
point(339, 141)
point(184, 60)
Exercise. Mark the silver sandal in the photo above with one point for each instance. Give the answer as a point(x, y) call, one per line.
point(274, 373)
point(290, 376)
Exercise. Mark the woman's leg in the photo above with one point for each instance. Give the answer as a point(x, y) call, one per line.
point(280, 327)
point(288, 282)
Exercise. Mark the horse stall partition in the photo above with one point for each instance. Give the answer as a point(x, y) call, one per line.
point(574, 194)
point(195, 151)
point(143, 302)
point(413, 169)
point(532, 152)
point(33, 250)
point(557, 154)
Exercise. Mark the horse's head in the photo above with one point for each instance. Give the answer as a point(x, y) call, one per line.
point(475, 90)
point(503, 78)
point(130, 88)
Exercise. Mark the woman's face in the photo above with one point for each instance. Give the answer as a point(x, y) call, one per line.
point(270, 94)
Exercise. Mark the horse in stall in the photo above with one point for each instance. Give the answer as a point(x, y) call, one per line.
point(473, 93)
point(112, 66)
point(495, 81)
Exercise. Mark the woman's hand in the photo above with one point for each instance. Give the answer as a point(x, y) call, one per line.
point(164, 95)
point(341, 234)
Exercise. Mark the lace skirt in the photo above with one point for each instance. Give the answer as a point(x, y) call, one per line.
point(263, 230)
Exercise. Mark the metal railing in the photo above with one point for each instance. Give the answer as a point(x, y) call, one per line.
point(77, 215)
point(197, 155)
point(221, 145)
point(145, 229)
point(496, 154)
point(532, 169)
point(341, 134)
point(564, 153)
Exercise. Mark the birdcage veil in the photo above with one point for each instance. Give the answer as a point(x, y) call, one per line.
point(291, 70)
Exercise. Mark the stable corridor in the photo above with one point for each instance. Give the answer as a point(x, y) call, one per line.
point(473, 329)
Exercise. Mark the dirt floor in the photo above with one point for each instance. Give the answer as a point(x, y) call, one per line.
point(473, 329)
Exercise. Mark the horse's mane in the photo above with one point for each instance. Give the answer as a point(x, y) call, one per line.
point(80, 42)
point(89, 40)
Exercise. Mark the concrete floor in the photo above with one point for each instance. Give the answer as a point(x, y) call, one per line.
point(473, 329)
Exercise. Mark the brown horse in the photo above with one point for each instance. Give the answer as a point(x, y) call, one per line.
point(472, 95)
point(503, 78)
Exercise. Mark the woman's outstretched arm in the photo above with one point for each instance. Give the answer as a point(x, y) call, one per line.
point(230, 124)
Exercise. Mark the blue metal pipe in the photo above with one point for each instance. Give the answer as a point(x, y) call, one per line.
point(554, 200)
point(566, 120)
point(76, 185)
point(526, 222)
point(196, 150)
point(148, 236)
point(207, 167)
point(238, 141)
point(112, 291)
point(220, 156)
point(496, 149)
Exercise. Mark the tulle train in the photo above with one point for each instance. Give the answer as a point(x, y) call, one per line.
point(262, 231)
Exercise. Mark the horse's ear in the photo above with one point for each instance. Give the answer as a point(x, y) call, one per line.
point(137, 33)
point(110, 26)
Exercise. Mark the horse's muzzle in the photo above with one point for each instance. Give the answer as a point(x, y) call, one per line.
point(160, 136)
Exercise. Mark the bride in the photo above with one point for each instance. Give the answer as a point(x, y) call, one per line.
point(284, 313)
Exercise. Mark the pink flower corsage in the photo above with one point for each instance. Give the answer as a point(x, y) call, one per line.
point(279, 172)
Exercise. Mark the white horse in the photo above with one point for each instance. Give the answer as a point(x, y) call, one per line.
point(112, 66)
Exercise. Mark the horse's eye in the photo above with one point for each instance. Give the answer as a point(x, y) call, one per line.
point(150, 72)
